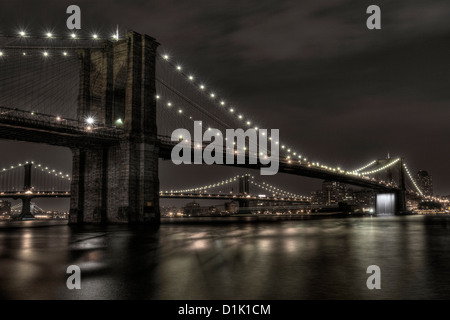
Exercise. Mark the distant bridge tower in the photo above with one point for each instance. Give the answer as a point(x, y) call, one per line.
point(26, 201)
point(118, 184)
point(401, 194)
point(244, 189)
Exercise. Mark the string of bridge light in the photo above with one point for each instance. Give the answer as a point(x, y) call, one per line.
point(221, 102)
point(45, 169)
point(365, 166)
point(44, 53)
point(275, 190)
point(22, 34)
point(95, 36)
point(209, 186)
point(180, 111)
point(264, 186)
point(412, 179)
point(381, 168)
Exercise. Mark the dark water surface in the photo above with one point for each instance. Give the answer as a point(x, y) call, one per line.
point(310, 259)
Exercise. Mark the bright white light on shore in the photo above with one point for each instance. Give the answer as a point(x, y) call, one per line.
point(22, 33)
point(45, 54)
point(49, 35)
point(202, 87)
point(64, 53)
point(95, 36)
point(165, 57)
point(1, 53)
point(73, 35)
point(179, 68)
point(191, 78)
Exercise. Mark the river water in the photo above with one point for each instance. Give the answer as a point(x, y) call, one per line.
point(306, 259)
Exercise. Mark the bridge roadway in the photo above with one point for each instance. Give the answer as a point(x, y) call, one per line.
point(36, 194)
point(40, 128)
point(217, 196)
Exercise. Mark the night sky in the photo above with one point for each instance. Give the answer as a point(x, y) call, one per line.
point(340, 93)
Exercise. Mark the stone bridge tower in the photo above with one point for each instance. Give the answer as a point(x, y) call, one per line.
point(118, 183)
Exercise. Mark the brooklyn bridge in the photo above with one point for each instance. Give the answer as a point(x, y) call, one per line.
point(114, 103)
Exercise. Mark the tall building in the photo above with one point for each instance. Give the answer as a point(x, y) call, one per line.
point(333, 192)
point(425, 182)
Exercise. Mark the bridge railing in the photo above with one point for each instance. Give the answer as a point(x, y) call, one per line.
point(40, 119)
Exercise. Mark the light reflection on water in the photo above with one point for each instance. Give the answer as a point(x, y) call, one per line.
point(313, 259)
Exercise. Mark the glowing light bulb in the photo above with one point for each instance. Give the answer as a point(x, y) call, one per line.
point(49, 35)
point(73, 35)
point(191, 78)
point(95, 36)
point(90, 120)
point(22, 33)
